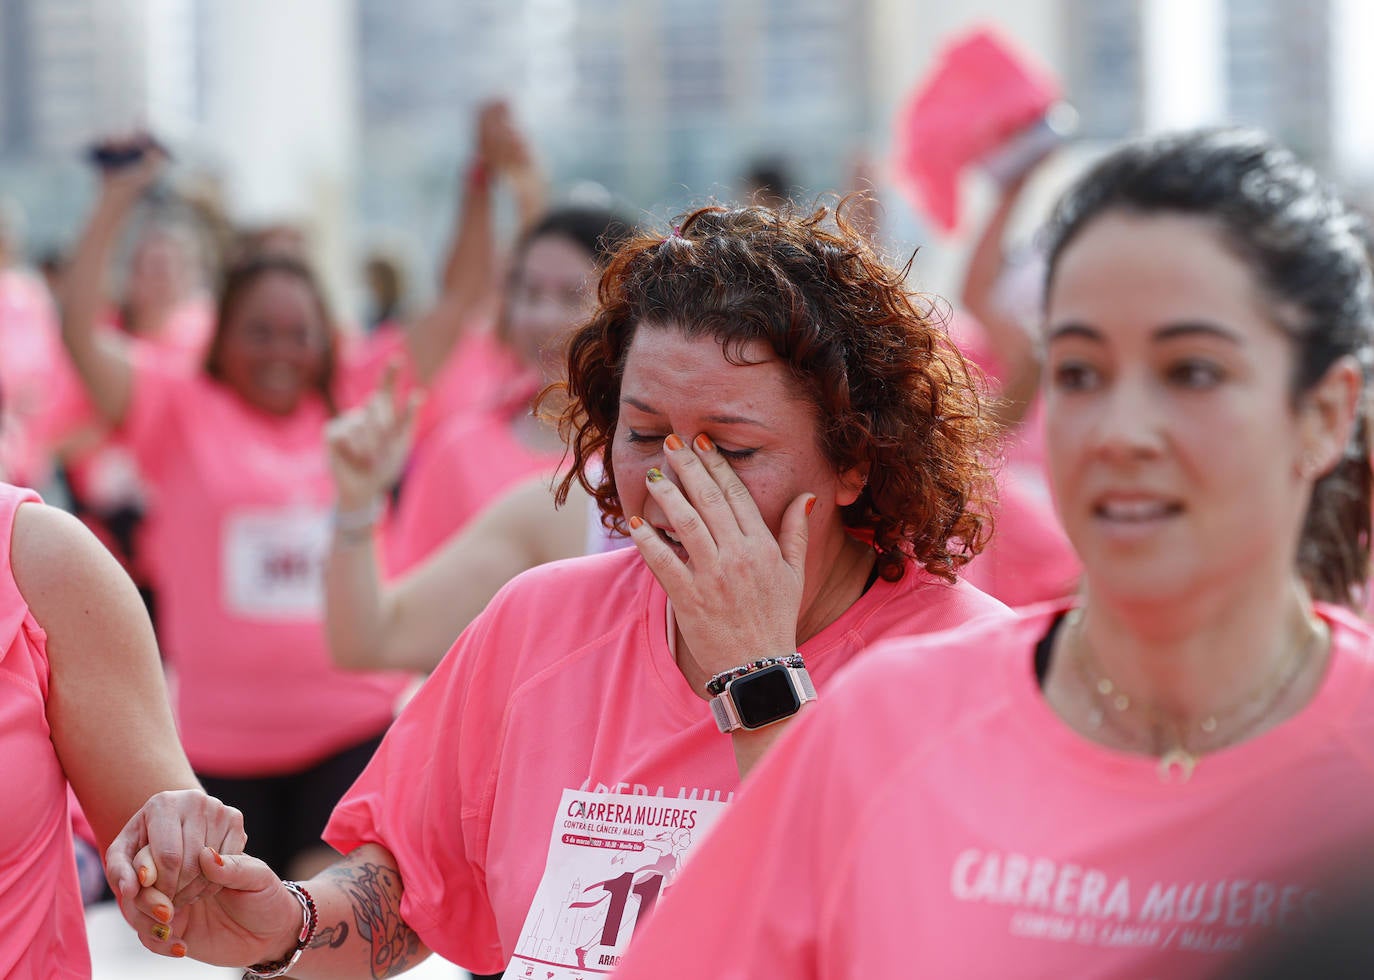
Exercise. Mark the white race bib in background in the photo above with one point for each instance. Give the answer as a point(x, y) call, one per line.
point(274, 563)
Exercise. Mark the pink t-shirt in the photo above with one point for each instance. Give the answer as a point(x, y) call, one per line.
point(243, 525)
point(465, 464)
point(32, 352)
point(42, 930)
point(935, 818)
point(1029, 558)
point(479, 370)
point(565, 681)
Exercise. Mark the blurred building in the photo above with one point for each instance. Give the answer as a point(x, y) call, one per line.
point(662, 102)
point(1278, 60)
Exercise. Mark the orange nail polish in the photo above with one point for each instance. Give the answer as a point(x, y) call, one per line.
point(162, 913)
point(178, 949)
point(635, 523)
point(810, 506)
point(218, 860)
point(144, 876)
point(673, 442)
point(703, 442)
point(655, 474)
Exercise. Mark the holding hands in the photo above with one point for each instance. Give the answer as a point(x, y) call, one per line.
point(736, 589)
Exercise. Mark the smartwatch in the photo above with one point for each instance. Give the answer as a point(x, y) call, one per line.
point(763, 696)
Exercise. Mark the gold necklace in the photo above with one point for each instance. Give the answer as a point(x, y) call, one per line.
point(1216, 730)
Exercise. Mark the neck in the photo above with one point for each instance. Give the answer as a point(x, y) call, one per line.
point(1241, 661)
point(848, 563)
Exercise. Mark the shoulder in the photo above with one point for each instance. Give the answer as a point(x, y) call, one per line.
point(58, 564)
point(587, 588)
point(923, 603)
point(905, 687)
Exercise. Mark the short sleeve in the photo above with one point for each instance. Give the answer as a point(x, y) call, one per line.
point(424, 798)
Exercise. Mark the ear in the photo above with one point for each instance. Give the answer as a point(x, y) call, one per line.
point(1327, 417)
point(851, 484)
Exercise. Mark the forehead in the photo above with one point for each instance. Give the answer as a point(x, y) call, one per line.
point(555, 256)
point(1126, 270)
point(277, 293)
point(664, 364)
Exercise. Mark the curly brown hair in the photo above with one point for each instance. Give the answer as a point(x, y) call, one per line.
point(894, 397)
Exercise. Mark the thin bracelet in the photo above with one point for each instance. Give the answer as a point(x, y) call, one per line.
point(717, 684)
point(309, 920)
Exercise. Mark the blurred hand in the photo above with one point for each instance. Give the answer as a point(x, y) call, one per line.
point(368, 446)
point(247, 917)
point(500, 144)
point(128, 182)
point(158, 851)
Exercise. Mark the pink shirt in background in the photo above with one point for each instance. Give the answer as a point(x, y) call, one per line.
point(565, 681)
point(1029, 558)
point(30, 353)
point(935, 818)
point(465, 464)
point(480, 370)
point(243, 523)
point(42, 929)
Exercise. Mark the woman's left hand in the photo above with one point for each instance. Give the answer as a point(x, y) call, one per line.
point(161, 844)
point(739, 596)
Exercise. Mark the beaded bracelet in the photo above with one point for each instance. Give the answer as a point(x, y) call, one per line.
point(716, 685)
point(310, 918)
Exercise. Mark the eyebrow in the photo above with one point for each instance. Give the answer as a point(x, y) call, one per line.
point(1188, 328)
point(719, 419)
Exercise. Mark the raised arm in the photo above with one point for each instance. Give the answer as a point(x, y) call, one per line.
point(469, 282)
point(103, 361)
point(411, 624)
point(1014, 343)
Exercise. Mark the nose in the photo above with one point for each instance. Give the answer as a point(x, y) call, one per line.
point(1128, 422)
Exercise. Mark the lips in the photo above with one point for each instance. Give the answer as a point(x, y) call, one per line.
point(670, 539)
point(1136, 511)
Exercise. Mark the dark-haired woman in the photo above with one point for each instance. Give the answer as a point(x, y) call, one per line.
point(1146, 780)
point(234, 453)
point(797, 451)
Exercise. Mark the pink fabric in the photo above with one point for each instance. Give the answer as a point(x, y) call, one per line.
point(42, 930)
point(980, 92)
point(465, 464)
point(566, 680)
point(935, 818)
point(479, 371)
point(32, 352)
point(1029, 558)
point(238, 492)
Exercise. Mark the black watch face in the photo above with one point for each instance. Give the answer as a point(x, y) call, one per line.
point(765, 697)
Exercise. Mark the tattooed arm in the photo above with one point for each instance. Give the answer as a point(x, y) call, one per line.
point(253, 919)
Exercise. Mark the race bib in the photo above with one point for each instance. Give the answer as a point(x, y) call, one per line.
point(273, 563)
point(611, 857)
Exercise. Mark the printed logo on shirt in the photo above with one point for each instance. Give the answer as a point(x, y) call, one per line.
point(611, 858)
point(273, 563)
point(1059, 901)
point(640, 789)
